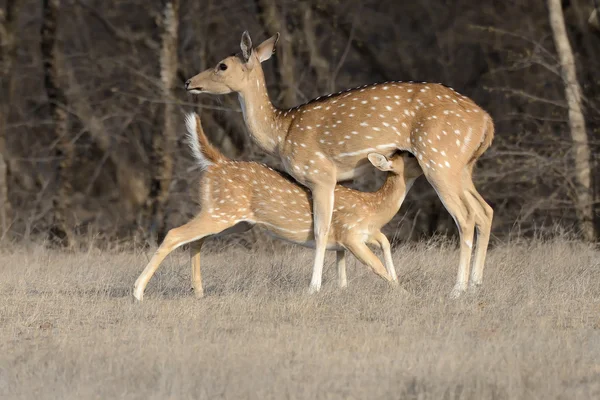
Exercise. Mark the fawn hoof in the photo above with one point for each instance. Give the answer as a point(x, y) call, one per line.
point(474, 286)
point(138, 294)
point(394, 283)
point(138, 291)
point(312, 289)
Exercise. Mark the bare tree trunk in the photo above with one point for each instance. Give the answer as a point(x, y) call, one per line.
point(8, 48)
point(64, 150)
point(163, 143)
point(273, 22)
point(319, 64)
point(581, 148)
point(5, 208)
point(594, 19)
point(131, 181)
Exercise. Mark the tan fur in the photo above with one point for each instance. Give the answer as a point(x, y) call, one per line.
point(329, 138)
point(234, 192)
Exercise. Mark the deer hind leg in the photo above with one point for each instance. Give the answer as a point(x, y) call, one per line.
point(322, 211)
point(366, 256)
point(198, 228)
point(340, 261)
point(460, 208)
point(195, 248)
point(384, 243)
point(483, 223)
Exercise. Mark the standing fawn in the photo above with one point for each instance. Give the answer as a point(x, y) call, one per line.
point(245, 193)
point(328, 140)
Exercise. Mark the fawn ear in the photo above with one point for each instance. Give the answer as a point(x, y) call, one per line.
point(246, 46)
point(380, 161)
point(266, 49)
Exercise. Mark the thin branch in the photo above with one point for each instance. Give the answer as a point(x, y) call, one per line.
point(344, 55)
point(535, 43)
point(529, 96)
point(366, 52)
point(176, 102)
point(128, 37)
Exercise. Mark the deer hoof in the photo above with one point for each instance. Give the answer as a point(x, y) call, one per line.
point(457, 291)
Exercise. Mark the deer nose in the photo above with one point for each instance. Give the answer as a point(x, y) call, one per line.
point(187, 83)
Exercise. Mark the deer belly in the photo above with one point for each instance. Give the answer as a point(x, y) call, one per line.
point(352, 165)
point(298, 230)
point(302, 235)
point(349, 172)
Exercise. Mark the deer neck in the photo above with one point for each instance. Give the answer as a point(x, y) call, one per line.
point(263, 120)
point(390, 196)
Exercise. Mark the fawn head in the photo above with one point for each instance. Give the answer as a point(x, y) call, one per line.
point(403, 164)
point(234, 73)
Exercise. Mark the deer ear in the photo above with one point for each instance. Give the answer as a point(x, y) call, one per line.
point(380, 161)
point(267, 48)
point(246, 46)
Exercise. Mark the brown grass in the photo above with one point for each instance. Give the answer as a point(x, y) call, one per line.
point(70, 330)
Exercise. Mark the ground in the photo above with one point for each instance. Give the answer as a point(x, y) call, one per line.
point(69, 328)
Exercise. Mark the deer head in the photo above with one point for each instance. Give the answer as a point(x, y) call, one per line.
point(233, 73)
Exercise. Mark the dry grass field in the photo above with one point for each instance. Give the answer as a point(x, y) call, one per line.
point(69, 328)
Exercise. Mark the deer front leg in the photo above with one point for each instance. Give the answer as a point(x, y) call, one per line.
point(366, 256)
point(322, 211)
point(384, 243)
point(341, 268)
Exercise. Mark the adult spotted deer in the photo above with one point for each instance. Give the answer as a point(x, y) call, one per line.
point(329, 138)
point(238, 193)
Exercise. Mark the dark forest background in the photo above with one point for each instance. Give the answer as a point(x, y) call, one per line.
point(92, 103)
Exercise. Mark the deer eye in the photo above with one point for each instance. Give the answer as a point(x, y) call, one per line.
point(222, 66)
